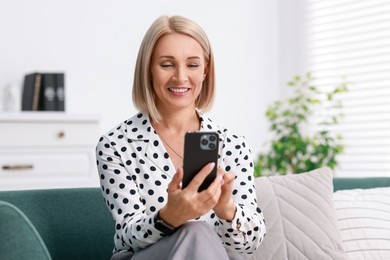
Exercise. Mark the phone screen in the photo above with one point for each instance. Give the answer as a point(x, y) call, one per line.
point(200, 148)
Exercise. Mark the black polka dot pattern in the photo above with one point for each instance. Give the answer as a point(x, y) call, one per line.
point(135, 170)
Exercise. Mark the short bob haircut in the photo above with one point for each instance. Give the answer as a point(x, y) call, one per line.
point(143, 92)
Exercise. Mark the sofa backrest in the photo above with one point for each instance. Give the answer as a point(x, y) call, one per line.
point(360, 183)
point(73, 223)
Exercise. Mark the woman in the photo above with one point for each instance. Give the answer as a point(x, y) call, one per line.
point(140, 161)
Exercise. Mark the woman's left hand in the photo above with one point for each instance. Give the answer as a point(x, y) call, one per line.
point(225, 208)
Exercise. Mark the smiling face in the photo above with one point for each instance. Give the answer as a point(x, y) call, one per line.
point(178, 68)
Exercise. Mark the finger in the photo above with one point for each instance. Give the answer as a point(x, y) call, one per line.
point(176, 180)
point(216, 184)
point(211, 197)
point(228, 177)
point(220, 173)
point(200, 176)
point(213, 190)
point(228, 182)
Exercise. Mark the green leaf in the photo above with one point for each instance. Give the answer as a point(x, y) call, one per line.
point(288, 149)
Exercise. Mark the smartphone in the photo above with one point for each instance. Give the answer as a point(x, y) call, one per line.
point(200, 148)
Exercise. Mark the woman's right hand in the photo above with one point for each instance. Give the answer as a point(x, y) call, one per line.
point(188, 203)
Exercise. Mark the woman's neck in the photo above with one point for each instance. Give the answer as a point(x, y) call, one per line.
point(172, 128)
point(178, 122)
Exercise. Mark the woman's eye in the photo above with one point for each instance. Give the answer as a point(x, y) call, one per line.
point(193, 66)
point(166, 65)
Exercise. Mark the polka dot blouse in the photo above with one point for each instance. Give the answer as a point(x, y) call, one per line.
point(135, 170)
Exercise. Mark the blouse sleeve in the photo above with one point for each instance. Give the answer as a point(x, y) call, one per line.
point(247, 230)
point(134, 228)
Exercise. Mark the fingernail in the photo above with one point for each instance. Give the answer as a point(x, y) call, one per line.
point(212, 165)
point(221, 179)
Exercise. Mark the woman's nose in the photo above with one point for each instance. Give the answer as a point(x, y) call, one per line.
point(180, 76)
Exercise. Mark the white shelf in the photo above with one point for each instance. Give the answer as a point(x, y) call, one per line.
point(41, 150)
point(48, 116)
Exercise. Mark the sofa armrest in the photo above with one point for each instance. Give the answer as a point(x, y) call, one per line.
point(18, 237)
point(74, 223)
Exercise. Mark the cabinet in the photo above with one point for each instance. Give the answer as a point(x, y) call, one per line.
point(40, 150)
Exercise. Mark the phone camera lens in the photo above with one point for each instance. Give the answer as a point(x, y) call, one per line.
point(212, 138)
point(205, 142)
point(211, 145)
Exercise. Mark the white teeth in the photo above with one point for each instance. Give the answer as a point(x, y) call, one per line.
point(178, 90)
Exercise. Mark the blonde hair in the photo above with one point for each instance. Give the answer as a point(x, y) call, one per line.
point(143, 92)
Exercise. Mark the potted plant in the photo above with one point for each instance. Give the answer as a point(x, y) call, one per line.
point(294, 148)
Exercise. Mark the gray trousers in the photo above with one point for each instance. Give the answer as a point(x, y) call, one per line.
point(194, 240)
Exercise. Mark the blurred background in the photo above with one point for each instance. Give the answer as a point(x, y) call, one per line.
point(259, 46)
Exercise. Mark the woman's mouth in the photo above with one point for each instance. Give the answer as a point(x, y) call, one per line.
point(179, 90)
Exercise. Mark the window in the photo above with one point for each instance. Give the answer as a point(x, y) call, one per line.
point(351, 38)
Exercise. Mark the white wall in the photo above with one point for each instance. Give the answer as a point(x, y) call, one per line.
point(95, 42)
point(291, 38)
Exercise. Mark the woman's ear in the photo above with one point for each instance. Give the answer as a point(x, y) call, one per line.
point(206, 70)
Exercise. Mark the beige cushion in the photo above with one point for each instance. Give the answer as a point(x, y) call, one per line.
point(364, 221)
point(300, 217)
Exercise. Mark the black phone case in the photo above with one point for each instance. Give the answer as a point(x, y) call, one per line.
point(196, 157)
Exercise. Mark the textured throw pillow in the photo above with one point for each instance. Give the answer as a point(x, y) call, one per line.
point(300, 217)
point(364, 221)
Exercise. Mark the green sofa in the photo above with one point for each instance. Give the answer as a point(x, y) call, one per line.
point(75, 223)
